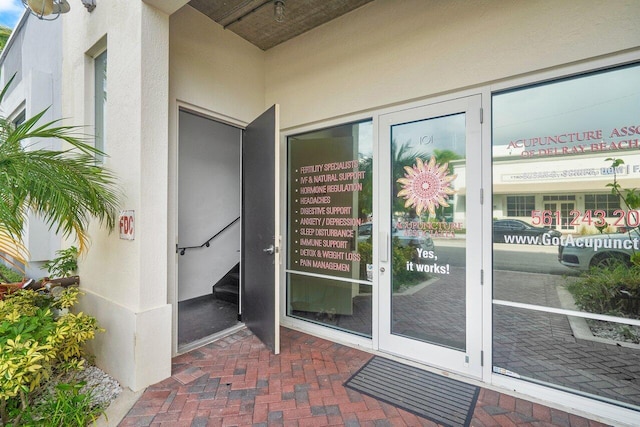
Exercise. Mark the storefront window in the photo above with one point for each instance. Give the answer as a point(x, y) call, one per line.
point(329, 259)
point(566, 242)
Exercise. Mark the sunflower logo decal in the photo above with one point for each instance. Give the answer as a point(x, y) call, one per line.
point(426, 186)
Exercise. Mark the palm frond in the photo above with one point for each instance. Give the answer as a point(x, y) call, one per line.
point(64, 187)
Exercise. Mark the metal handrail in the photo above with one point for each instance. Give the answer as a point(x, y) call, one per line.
point(182, 251)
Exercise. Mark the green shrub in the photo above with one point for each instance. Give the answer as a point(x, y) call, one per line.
point(68, 406)
point(401, 254)
point(9, 275)
point(365, 249)
point(65, 264)
point(401, 276)
point(614, 290)
point(35, 342)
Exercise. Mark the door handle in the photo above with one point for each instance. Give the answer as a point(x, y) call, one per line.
point(270, 250)
point(384, 246)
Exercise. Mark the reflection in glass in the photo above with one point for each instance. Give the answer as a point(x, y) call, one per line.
point(427, 231)
point(100, 103)
point(559, 149)
point(340, 305)
point(541, 347)
point(330, 226)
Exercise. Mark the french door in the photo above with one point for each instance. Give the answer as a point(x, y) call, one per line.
point(430, 235)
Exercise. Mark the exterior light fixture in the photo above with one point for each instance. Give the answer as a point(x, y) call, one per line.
point(278, 10)
point(49, 10)
point(89, 4)
point(46, 9)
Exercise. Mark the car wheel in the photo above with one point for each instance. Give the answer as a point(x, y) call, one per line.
point(610, 260)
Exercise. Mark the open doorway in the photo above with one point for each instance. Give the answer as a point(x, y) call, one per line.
point(209, 194)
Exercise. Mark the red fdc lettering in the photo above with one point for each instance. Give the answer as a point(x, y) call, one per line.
point(126, 225)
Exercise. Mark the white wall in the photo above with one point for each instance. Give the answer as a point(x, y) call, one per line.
point(126, 281)
point(390, 52)
point(34, 56)
point(209, 200)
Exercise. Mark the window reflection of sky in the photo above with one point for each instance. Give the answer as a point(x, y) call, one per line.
point(365, 139)
point(602, 101)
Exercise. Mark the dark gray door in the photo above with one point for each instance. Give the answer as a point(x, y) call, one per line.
point(260, 251)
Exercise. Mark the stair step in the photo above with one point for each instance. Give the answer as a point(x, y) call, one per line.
point(228, 288)
point(226, 293)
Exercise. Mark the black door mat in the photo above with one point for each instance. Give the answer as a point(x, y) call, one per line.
point(428, 395)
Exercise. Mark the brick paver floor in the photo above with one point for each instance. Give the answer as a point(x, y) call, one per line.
point(236, 381)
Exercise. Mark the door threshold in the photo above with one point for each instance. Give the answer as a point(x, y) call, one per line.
point(210, 338)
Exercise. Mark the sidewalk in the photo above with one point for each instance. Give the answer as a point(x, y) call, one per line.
point(236, 381)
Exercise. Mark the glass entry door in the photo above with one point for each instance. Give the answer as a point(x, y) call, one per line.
point(430, 235)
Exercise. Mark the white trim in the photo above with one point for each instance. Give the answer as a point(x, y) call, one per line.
point(376, 186)
point(21, 108)
point(603, 317)
point(282, 180)
point(326, 332)
point(278, 242)
point(14, 33)
point(210, 114)
point(617, 59)
point(172, 290)
point(573, 403)
point(486, 211)
point(334, 278)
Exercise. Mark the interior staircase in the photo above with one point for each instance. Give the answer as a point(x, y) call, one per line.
point(228, 288)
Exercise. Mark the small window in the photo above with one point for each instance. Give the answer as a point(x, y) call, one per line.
point(100, 106)
point(20, 118)
point(606, 202)
point(520, 205)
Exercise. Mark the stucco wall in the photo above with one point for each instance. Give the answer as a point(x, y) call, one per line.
point(126, 281)
point(217, 74)
point(214, 69)
point(392, 51)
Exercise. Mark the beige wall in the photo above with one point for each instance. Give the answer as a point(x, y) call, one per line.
point(392, 51)
point(214, 69)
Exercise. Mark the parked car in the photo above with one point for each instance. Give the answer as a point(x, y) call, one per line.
point(508, 231)
point(599, 249)
point(413, 238)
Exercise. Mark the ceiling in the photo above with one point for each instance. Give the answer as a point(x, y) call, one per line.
point(254, 20)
